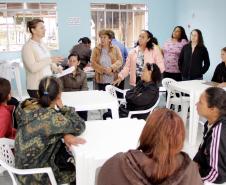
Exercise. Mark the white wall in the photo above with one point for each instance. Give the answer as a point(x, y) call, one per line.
point(209, 17)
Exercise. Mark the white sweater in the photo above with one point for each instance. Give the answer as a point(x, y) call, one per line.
point(37, 63)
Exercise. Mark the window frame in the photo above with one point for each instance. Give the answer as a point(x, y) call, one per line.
point(95, 8)
point(26, 13)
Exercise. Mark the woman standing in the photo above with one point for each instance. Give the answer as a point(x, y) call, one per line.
point(220, 71)
point(36, 57)
point(171, 52)
point(106, 60)
point(194, 58)
point(145, 52)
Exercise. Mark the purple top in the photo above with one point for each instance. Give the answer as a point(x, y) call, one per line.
point(171, 52)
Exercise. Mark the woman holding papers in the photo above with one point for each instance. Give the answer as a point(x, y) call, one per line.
point(75, 81)
point(36, 57)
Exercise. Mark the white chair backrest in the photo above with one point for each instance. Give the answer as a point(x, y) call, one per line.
point(150, 110)
point(111, 90)
point(166, 83)
point(6, 153)
point(7, 161)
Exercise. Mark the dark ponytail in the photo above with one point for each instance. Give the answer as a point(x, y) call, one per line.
point(32, 24)
point(84, 40)
point(152, 40)
point(49, 88)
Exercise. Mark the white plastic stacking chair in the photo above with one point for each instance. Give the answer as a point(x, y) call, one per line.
point(176, 98)
point(112, 91)
point(150, 110)
point(7, 162)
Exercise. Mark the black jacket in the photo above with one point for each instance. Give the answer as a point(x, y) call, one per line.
point(143, 96)
point(193, 65)
point(211, 155)
point(220, 73)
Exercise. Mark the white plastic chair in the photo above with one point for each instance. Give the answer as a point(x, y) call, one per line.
point(150, 110)
point(176, 98)
point(7, 162)
point(112, 91)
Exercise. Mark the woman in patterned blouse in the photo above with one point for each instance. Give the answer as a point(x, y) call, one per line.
point(171, 51)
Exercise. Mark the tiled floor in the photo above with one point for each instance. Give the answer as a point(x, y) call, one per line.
point(93, 115)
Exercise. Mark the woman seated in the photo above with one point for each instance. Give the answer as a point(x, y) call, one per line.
point(75, 81)
point(41, 128)
point(220, 71)
point(212, 151)
point(158, 158)
point(6, 111)
point(144, 95)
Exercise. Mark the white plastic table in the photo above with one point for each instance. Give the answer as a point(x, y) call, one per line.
point(194, 88)
point(104, 138)
point(91, 100)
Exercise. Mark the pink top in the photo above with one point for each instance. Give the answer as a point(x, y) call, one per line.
point(150, 56)
point(171, 52)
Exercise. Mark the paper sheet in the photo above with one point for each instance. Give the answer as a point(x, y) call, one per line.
point(65, 72)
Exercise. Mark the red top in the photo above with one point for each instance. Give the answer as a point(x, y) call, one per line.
point(6, 121)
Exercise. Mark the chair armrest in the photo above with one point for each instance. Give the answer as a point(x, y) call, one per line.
point(138, 112)
point(144, 111)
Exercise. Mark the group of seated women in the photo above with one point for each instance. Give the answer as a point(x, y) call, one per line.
point(44, 122)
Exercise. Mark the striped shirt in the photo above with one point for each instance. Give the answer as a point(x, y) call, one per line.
point(212, 153)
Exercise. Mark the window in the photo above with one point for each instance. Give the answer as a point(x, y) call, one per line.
point(126, 20)
point(13, 21)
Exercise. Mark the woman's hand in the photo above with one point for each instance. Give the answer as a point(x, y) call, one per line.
point(59, 103)
point(59, 69)
point(117, 82)
point(108, 71)
point(69, 140)
point(57, 59)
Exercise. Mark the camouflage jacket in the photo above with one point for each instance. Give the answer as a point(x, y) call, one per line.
point(38, 139)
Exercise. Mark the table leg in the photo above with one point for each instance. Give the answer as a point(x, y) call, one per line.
point(191, 118)
point(194, 119)
point(114, 110)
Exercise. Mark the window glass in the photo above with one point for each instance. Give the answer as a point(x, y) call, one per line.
point(126, 20)
point(13, 21)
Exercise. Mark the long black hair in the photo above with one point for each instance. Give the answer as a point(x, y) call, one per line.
point(200, 37)
point(182, 35)
point(152, 40)
point(156, 75)
point(49, 89)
